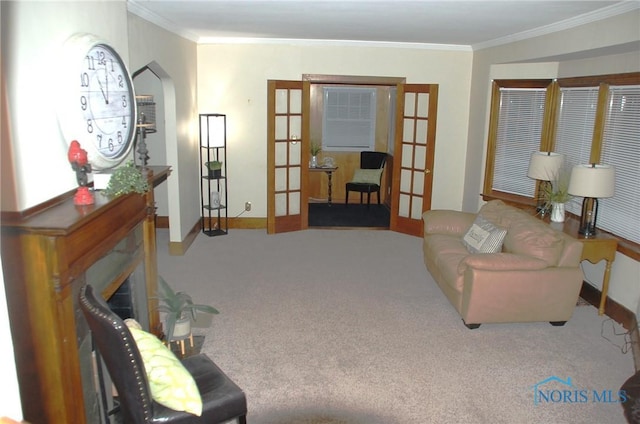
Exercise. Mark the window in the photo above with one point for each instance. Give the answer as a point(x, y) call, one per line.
point(620, 214)
point(588, 119)
point(349, 119)
point(576, 123)
point(516, 131)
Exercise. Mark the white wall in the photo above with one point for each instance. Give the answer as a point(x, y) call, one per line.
point(232, 79)
point(32, 36)
point(174, 59)
point(604, 47)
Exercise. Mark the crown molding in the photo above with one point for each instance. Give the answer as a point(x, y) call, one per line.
point(586, 18)
point(337, 43)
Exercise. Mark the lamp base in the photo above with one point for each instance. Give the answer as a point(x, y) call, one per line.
point(588, 217)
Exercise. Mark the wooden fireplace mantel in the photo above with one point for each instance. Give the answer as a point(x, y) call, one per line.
point(47, 255)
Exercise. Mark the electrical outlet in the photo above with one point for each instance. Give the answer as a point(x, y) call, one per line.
point(247, 206)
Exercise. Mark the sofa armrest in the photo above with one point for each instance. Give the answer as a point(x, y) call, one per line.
point(501, 262)
point(447, 222)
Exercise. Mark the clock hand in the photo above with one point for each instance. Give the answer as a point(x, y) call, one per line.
point(106, 80)
point(106, 99)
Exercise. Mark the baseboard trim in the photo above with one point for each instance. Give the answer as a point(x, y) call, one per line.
point(613, 309)
point(180, 248)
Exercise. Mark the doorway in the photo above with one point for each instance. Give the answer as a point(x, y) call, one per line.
point(408, 174)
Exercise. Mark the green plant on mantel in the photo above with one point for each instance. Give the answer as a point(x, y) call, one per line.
point(126, 179)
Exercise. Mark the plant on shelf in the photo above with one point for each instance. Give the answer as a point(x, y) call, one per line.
point(126, 179)
point(215, 168)
point(179, 309)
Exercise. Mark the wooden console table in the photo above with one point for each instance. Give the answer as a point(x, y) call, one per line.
point(49, 252)
point(602, 247)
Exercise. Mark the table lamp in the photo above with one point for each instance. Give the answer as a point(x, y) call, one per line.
point(591, 182)
point(544, 166)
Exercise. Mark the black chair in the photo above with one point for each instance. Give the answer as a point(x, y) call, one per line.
point(368, 160)
point(222, 399)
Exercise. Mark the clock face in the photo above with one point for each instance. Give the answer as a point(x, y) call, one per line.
point(98, 103)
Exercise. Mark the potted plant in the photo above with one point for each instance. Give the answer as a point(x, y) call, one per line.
point(555, 194)
point(126, 179)
point(314, 149)
point(215, 168)
point(179, 309)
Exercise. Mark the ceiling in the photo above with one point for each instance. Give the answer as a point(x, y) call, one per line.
point(466, 24)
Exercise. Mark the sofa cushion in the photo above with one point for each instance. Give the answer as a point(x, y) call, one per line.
point(484, 237)
point(535, 239)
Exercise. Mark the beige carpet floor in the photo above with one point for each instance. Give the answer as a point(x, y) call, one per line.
point(347, 326)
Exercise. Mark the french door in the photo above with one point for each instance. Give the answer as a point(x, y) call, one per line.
point(288, 155)
point(412, 178)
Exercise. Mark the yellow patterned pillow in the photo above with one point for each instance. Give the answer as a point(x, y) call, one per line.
point(367, 176)
point(170, 382)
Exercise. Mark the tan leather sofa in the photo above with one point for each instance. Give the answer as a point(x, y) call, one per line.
point(535, 277)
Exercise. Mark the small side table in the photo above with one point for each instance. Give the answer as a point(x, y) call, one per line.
point(329, 171)
point(595, 249)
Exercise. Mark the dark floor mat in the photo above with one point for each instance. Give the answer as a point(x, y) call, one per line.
point(353, 215)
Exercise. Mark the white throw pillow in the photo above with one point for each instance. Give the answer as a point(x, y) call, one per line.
point(484, 237)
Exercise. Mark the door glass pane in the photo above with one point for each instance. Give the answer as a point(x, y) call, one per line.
point(423, 105)
point(416, 207)
point(281, 100)
point(294, 178)
point(407, 155)
point(407, 131)
point(294, 153)
point(294, 203)
point(409, 104)
point(404, 206)
point(420, 158)
point(421, 131)
point(281, 128)
point(281, 153)
point(295, 127)
point(418, 182)
point(405, 180)
point(281, 204)
point(295, 105)
point(281, 179)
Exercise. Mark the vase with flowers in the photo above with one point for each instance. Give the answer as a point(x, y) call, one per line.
point(314, 149)
point(556, 194)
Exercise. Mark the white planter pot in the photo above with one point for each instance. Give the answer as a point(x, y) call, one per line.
point(557, 212)
point(182, 329)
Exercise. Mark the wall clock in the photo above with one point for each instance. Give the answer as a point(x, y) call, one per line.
point(97, 101)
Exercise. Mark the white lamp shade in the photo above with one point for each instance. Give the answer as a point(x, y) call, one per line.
point(545, 166)
point(595, 181)
point(212, 130)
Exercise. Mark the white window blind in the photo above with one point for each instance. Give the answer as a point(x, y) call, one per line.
point(518, 135)
point(620, 214)
point(349, 119)
point(574, 135)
